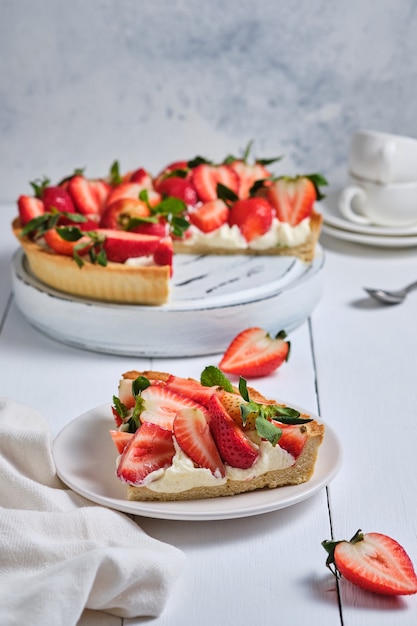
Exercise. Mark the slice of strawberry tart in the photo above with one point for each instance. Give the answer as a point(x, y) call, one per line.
point(113, 238)
point(181, 439)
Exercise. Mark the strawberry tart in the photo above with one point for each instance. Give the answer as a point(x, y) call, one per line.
point(113, 238)
point(181, 439)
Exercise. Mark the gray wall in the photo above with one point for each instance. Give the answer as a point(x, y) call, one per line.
point(83, 82)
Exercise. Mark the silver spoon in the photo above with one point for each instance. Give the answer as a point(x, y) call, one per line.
point(390, 297)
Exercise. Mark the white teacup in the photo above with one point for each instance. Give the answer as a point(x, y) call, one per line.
point(383, 157)
point(367, 202)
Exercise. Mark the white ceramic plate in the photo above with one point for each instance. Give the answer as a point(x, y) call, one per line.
point(328, 207)
point(377, 241)
point(212, 299)
point(85, 459)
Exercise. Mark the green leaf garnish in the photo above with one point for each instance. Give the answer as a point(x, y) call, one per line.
point(267, 430)
point(211, 376)
point(139, 384)
point(39, 185)
point(115, 177)
point(226, 194)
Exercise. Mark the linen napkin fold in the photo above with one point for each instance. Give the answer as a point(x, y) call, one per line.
point(59, 552)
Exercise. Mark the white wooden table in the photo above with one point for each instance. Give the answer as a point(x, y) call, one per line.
point(354, 363)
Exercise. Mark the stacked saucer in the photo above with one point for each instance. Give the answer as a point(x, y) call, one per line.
point(335, 225)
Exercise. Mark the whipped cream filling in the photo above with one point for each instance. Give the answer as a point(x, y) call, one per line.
point(183, 475)
point(140, 261)
point(230, 237)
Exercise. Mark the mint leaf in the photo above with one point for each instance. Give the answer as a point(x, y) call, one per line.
point(115, 177)
point(211, 376)
point(139, 384)
point(267, 430)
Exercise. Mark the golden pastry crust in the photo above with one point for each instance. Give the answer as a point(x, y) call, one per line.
point(298, 473)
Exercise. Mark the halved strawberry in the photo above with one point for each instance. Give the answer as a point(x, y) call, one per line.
point(157, 229)
point(210, 215)
point(29, 207)
point(191, 389)
point(151, 448)
point(131, 190)
point(248, 175)
point(161, 405)
point(57, 198)
point(164, 252)
point(232, 403)
point(117, 214)
point(120, 245)
point(62, 246)
point(121, 439)
point(253, 216)
point(253, 352)
point(374, 562)
point(177, 187)
point(205, 179)
point(193, 435)
point(142, 177)
point(89, 196)
point(293, 198)
point(293, 438)
point(234, 446)
point(181, 166)
point(125, 392)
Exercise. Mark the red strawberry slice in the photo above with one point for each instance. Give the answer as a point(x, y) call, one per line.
point(205, 179)
point(89, 196)
point(248, 175)
point(193, 435)
point(121, 439)
point(126, 191)
point(374, 562)
point(169, 169)
point(142, 177)
point(191, 389)
point(161, 405)
point(164, 252)
point(120, 245)
point(62, 246)
point(57, 198)
point(177, 187)
point(125, 393)
point(234, 446)
point(292, 198)
point(29, 208)
point(253, 216)
point(209, 216)
point(253, 352)
point(151, 448)
point(157, 229)
point(293, 438)
point(117, 214)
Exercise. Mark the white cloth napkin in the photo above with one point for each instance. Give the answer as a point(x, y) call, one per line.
point(60, 553)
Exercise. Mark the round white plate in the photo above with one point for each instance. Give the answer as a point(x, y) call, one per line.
point(328, 207)
point(377, 241)
point(85, 459)
point(212, 299)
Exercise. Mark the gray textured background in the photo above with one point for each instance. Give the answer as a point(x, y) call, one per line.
point(84, 82)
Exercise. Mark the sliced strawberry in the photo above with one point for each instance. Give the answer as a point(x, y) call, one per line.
point(125, 393)
point(193, 435)
point(129, 191)
point(121, 439)
point(57, 198)
point(293, 438)
point(89, 196)
point(164, 252)
point(62, 246)
point(248, 175)
point(177, 187)
point(169, 169)
point(117, 214)
point(253, 216)
point(210, 215)
point(157, 229)
point(292, 198)
point(120, 245)
point(234, 446)
point(253, 352)
point(205, 179)
point(374, 562)
point(232, 403)
point(151, 448)
point(142, 177)
point(191, 389)
point(29, 208)
point(161, 405)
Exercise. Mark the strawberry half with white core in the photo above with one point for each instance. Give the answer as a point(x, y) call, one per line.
point(150, 449)
point(374, 562)
point(120, 245)
point(253, 216)
point(193, 435)
point(29, 208)
point(210, 215)
point(160, 405)
point(253, 353)
point(205, 178)
point(89, 196)
point(191, 389)
point(293, 198)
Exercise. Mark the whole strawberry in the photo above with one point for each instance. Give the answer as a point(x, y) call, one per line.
point(374, 562)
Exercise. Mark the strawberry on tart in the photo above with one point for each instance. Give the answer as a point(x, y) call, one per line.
point(113, 239)
point(181, 439)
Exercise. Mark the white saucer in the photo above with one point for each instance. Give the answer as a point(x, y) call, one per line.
point(328, 207)
point(377, 241)
point(212, 299)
